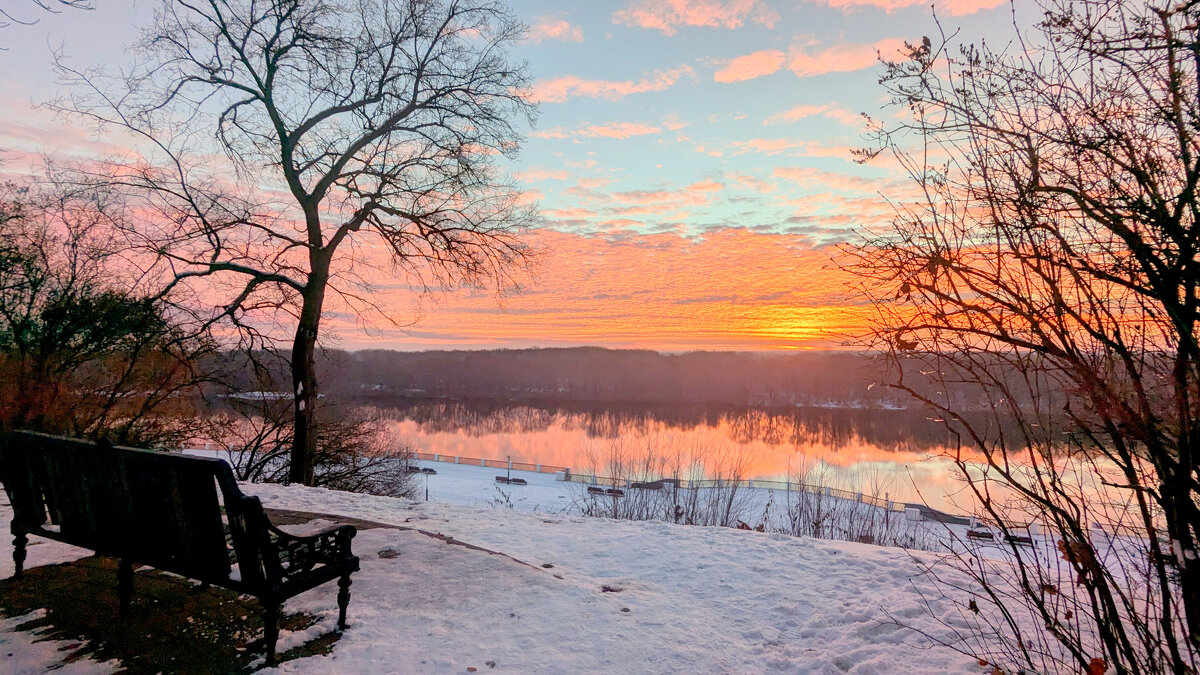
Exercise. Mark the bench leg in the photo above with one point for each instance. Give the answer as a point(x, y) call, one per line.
point(270, 629)
point(343, 600)
point(20, 540)
point(124, 585)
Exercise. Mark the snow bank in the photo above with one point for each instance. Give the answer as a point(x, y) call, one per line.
point(574, 594)
point(690, 599)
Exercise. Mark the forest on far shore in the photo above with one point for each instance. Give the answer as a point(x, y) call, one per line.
point(593, 375)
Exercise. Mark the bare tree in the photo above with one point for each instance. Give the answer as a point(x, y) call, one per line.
point(294, 145)
point(356, 451)
point(9, 16)
point(1051, 264)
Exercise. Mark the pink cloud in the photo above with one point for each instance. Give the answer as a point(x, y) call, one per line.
point(802, 111)
point(556, 133)
point(842, 58)
point(593, 183)
point(751, 66)
point(668, 15)
point(559, 89)
point(827, 180)
point(801, 147)
point(643, 202)
point(951, 7)
point(588, 194)
point(550, 28)
point(753, 183)
point(673, 122)
point(536, 174)
point(766, 146)
point(569, 214)
point(618, 130)
point(35, 132)
point(530, 196)
point(804, 62)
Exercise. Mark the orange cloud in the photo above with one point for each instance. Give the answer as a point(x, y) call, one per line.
point(751, 66)
point(668, 16)
point(550, 28)
point(951, 7)
point(559, 89)
point(727, 289)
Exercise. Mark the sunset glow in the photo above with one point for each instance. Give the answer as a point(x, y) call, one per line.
point(691, 162)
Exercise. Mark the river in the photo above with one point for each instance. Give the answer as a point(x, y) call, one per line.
point(899, 454)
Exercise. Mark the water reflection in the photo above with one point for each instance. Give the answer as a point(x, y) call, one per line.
point(889, 429)
point(896, 448)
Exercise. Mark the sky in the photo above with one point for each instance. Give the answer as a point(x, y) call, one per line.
point(691, 161)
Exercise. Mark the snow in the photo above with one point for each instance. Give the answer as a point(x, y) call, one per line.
point(24, 652)
point(27, 653)
point(678, 598)
point(475, 485)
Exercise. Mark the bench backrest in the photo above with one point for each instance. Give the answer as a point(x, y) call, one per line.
point(149, 507)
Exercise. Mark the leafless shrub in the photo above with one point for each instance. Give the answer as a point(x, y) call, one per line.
point(355, 453)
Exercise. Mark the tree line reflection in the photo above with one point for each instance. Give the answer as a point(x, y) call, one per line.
point(888, 429)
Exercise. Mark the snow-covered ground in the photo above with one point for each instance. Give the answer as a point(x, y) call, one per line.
point(548, 493)
point(573, 594)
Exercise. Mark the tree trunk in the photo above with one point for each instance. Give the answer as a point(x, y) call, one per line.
point(304, 376)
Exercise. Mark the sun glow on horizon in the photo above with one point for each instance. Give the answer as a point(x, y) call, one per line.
point(694, 181)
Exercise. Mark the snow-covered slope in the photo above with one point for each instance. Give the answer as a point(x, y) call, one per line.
point(573, 594)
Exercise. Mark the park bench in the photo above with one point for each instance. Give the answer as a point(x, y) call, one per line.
point(1019, 539)
point(165, 511)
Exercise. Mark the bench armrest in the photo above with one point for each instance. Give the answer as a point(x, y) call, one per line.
point(271, 558)
point(293, 556)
